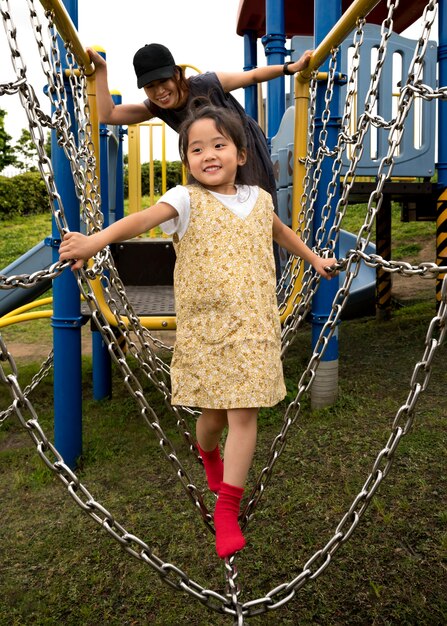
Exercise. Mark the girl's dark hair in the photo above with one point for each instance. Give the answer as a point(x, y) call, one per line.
point(227, 123)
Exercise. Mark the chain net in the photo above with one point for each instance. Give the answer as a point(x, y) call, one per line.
point(65, 80)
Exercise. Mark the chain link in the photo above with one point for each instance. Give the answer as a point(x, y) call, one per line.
point(79, 151)
point(43, 372)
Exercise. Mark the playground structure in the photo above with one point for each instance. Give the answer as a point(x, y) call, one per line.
point(325, 318)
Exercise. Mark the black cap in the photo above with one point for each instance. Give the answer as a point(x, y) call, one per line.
point(153, 62)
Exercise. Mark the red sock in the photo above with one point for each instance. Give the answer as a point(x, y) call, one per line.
point(229, 538)
point(213, 467)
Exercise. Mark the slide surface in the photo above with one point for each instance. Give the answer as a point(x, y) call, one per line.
point(361, 299)
point(37, 258)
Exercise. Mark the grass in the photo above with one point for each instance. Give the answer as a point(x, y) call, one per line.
point(20, 234)
point(408, 238)
point(57, 567)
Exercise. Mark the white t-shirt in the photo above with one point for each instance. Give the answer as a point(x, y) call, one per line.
point(241, 204)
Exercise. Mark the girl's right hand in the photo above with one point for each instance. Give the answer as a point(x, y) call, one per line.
point(78, 247)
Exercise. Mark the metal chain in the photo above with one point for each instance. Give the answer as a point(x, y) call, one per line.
point(419, 381)
point(302, 304)
point(86, 184)
point(169, 573)
point(352, 268)
point(137, 393)
point(9, 89)
point(43, 372)
point(26, 281)
point(176, 578)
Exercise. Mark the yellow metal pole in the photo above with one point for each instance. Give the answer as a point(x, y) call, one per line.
point(163, 158)
point(94, 121)
point(24, 317)
point(27, 307)
point(68, 32)
point(151, 164)
point(299, 172)
point(134, 168)
point(359, 8)
point(261, 109)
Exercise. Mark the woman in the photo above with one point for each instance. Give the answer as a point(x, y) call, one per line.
point(169, 94)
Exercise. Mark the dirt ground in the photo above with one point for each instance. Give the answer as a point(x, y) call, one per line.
point(38, 351)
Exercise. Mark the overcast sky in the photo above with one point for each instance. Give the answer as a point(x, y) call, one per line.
point(200, 33)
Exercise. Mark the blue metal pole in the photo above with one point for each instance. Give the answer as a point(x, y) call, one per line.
point(325, 387)
point(102, 364)
point(441, 213)
point(119, 192)
point(442, 104)
point(275, 51)
point(104, 172)
point(102, 367)
point(66, 320)
point(250, 63)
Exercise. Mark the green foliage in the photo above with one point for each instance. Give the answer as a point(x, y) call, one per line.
point(173, 177)
point(26, 151)
point(24, 194)
point(7, 156)
point(48, 145)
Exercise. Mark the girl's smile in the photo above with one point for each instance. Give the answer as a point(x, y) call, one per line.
point(213, 158)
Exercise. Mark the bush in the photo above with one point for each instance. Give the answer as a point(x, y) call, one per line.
point(24, 194)
point(173, 177)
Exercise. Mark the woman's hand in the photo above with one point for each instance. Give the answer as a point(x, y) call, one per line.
point(302, 62)
point(98, 61)
point(77, 247)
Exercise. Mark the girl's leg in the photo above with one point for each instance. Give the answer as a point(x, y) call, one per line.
point(209, 428)
point(239, 450)
point(240, 445)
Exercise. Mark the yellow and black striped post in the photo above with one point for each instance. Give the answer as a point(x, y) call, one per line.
point(383, 248)
point(441, 240)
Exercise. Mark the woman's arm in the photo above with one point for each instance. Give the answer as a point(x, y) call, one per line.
point(288, 239)
point(82, 247)
point(108, 111)
point(235, 80)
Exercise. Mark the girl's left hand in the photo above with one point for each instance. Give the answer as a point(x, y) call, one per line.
point(321, 264)
point(78, 247)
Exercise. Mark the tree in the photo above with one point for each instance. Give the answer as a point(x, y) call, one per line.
point(7, 155)
point(27, 152)
point(173, 176)
point(48, 145)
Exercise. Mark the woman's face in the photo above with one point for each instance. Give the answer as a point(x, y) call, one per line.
point(165, 93)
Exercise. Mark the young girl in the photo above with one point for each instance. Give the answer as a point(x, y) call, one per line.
point(169, 95)
point(226, 357)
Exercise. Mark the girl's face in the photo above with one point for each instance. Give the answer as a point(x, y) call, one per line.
point(165, 93)
point(213, 158)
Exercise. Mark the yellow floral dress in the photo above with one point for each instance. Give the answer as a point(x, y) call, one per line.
point(227, 349)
